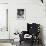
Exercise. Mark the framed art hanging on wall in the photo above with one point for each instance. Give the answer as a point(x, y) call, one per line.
point(20, 13)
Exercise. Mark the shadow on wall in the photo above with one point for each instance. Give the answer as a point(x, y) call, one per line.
point(41, 34)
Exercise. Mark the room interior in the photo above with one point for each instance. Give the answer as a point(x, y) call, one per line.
point(15, 15)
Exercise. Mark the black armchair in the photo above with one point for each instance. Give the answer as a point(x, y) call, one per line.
point(33, 30)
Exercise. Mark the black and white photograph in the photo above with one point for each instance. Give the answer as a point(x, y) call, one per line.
point(22, 22)
point(20, 13)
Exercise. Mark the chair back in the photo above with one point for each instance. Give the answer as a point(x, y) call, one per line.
point(33, 28)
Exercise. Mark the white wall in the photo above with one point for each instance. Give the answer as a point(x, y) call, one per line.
point(3, 1)
point(4, 34)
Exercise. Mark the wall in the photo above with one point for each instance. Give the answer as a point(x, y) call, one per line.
point(34, 12)
point(3, 1)
point(3, 21)
point(4, 34)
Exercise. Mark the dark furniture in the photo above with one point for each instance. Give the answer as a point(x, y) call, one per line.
point(33, 30)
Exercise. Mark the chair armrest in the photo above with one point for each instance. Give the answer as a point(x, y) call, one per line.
point(22, 35)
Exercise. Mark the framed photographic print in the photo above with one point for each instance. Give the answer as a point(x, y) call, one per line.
point(20, 13)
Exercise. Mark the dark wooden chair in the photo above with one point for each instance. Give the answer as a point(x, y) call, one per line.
point(32, 29)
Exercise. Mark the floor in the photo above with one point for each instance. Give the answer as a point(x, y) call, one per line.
point(23, 44)
point(27, 44)
point(18, 44)
point(5, 44)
